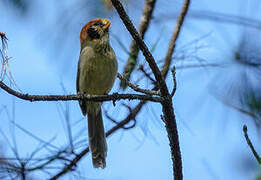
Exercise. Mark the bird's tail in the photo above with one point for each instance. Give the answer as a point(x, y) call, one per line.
point(97, 139)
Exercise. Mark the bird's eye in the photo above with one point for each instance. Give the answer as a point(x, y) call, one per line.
point(98, 24)
point(92, 33)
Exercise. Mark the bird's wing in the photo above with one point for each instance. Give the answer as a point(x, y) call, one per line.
point(82, 103)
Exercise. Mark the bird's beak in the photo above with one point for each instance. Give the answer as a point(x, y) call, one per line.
point(106, 23)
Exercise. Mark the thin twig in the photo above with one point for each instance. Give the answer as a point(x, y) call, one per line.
point(147, 54)
point(48, 161)
point(134, 50)
point(167, 106)
point(141, 68)
point(136, 88)
point(174, 37)
point(169, 116)
point(116, 122)
point(226, 18)
point(239, 109)
point(173, 71)
point(5, 70)
point(187, 66)
point(99, 98)
point(112, 120)
point(251, 145)
point(78, 157)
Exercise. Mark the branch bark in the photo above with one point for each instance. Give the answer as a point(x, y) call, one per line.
point(100, 98)
point(166, 100)
point(251, 145)
point(174, 37)
point(134, 50)
point(147, 54)
point(136, 88)
point(167, 107)
point(78, 157)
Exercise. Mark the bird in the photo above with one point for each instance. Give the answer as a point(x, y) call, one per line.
point(97, 69)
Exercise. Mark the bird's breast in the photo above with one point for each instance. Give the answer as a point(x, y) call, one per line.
point(97, 72)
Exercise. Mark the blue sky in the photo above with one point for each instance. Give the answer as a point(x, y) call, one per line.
point(44, 46)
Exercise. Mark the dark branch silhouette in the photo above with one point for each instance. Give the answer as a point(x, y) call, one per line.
point(167, 107)
point(134, 50)
point(72, 164)
point(112, 97)
point(164, 97)
point(251, 145)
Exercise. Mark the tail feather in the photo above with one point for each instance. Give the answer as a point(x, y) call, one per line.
point(97, 140)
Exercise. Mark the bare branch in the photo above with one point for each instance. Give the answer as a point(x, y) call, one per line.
point(100, 98)
point(167, 107)
point(199, 66)
point(251, 145)
point(166, 101)
point(136, 88)
point(4, 55)
point(174, 37)
point(141, 68)
point(116, 122)
point(143, 26)
point(78, 157)
point(5, 69)
point(147, 54)
point(239, 109)
point(226, 18)
point(173, 71)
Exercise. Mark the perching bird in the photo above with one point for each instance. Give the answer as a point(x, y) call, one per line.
point(97, 68)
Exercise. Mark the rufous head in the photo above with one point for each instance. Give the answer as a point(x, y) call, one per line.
point(94, 30)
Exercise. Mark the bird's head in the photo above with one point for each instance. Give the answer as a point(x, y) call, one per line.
point(95, 32)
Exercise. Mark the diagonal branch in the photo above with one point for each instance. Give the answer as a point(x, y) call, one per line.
point(169, 117)
point(143, 26)
point(167, 106)
point(147, 54)
point(174, 38)
point(251, 145)
point(141, 68)
point(136, 88)
point(78, 157)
